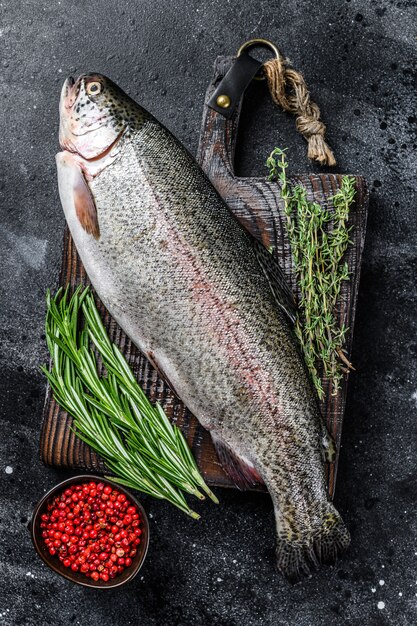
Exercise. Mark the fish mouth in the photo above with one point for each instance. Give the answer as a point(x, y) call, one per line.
point(69, 93)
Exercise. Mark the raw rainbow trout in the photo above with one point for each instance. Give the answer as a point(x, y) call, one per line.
point(200, 298)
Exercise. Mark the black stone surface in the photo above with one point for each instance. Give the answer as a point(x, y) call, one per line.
point(359, 60)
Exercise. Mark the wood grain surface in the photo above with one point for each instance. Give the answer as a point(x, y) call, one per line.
point(256, 203)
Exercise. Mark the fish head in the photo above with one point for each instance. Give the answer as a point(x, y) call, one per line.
point(94, 114)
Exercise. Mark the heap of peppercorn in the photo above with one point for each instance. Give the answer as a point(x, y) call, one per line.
point(92, 528)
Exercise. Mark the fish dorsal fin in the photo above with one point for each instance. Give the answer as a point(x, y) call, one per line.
point(85, 207)
point(277, 280)
point(239, 469)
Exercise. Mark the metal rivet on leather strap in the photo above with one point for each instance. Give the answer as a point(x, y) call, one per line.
point(223, 101)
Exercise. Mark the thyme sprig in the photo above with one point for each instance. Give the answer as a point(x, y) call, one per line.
point(319, 239)
point(112, 413)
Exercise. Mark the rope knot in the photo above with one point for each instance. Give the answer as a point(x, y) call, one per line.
point(308, 126)
point(289, 90)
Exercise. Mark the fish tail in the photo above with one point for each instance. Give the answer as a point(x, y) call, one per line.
point(299, 555)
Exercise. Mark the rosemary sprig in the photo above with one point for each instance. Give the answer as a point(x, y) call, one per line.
point(319, 239)
point(111, 413)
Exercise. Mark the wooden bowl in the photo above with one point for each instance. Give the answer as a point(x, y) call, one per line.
point(78, 577)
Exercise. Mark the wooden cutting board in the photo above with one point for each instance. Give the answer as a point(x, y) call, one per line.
point(256, 203)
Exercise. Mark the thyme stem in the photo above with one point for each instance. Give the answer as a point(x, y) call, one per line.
point(319, 239)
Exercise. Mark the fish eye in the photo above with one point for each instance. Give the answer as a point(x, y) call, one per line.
point(93, 88)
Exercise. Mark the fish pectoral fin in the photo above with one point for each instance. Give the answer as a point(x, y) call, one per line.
point(85, 206)
point(277, 280)
point(240, 470)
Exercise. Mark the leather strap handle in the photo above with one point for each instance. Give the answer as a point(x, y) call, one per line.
point(231, 88)
point(218, 134)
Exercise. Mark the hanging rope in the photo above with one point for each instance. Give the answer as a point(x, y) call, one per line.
point(289, 90)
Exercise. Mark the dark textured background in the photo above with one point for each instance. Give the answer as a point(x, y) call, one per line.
point(359, 60)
